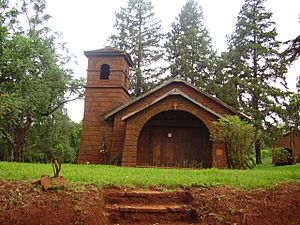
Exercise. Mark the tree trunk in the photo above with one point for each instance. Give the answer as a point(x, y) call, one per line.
point(11, 153)
point(256, 97)
point(258, 152)
point(17, 148)
point(15, 135)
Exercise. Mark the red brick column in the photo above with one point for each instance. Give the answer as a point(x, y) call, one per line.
point(219, 158)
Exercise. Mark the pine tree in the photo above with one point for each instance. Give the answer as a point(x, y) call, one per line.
point(290, 56)
point(260, 78)
point(224, 83)
point(292, 53)
point(189, 47)
point(140, 35)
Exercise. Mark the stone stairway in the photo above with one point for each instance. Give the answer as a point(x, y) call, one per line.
point(150, 207)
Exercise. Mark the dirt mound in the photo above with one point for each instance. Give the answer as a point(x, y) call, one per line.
point(21, 203)
point(278, 206)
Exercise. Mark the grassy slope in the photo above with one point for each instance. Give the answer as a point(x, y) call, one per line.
point(262, 176)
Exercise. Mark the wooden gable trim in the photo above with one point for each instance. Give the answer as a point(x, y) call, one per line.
point(107, 116)
point(174, 91)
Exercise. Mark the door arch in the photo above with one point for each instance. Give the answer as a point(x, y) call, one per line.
point(174, 138)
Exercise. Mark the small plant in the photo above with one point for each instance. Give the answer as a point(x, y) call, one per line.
point(56, 167)
point(220, 197)
point(57, 154)
point(219, 218)
point(76, 197)
point(77, 208)
point(116, 159)
point(104, 152)
point(282, 156)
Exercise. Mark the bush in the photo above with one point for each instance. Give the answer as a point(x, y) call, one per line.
point(266, 153)
point(239, 137)
point(282, 156)
point(266, 156)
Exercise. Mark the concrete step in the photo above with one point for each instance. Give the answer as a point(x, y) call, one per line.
point(132, 197)
point(147, 208)
point(150, 207)
point(153, 214)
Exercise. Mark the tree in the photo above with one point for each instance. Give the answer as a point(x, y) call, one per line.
point(75, 137)
point(224, 83)
point(292, 52)
point(239, 137)
point(139, 34)
point(52, 137)
point(259, 75)
point(34, 82)
point(289, 56)
point(189, 47)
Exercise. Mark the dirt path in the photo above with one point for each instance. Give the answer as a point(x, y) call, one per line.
point(21, 203)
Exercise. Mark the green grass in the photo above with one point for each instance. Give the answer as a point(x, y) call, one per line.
point(264, 176)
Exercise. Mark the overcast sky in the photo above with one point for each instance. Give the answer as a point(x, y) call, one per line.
point(85, 25)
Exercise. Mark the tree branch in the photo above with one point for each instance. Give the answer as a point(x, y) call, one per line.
point(58, 105)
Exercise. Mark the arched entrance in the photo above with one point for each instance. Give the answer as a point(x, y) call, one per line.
point(174, 139)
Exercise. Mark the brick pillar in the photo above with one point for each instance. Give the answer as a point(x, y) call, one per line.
point(219, 159)
point(106, 89)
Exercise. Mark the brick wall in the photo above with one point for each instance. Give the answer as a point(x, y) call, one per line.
point(101, 97)
point(288, 141)
point(128, 140)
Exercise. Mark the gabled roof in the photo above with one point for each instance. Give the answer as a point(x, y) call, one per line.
point(178, 92)
point(174, 91)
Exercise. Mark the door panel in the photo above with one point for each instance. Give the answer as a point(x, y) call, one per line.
point(177, 146)
point(169, 146)
point(156, 145)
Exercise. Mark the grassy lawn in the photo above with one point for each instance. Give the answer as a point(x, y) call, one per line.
point(264, 176)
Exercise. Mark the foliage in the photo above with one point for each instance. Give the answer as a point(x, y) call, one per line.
point(75, 138)
point(289, 56)
point(282, 156)
point(116, 159)
point(239, 137)
point(292, 115)
point(189, 47)
point(292, 53)
point(225, 83)
point(139, 33)
point(54, 137)
point(34, 80)
point(266, 153)
point(260, 177)
point(259, 75)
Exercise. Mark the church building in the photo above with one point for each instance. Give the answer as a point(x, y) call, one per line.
point(169, 126)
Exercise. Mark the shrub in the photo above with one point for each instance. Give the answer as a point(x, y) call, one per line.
point(282, 156)
point(116, 159)
point(266, 153)
point(239, 137)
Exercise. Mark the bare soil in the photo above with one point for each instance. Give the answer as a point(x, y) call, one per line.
point(22, 203)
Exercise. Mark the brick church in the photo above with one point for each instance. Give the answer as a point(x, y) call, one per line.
point(169, 126)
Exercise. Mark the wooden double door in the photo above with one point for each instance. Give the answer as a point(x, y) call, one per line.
point(174, 146)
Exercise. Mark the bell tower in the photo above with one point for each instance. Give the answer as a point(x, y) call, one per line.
point(106, 89)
